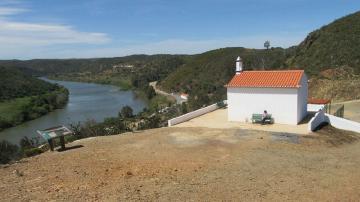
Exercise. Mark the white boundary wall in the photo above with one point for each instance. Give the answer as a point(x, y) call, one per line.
point(343, 124)
point(193, 114)
point(336, 122)
point(317, 120)
point(314, 107)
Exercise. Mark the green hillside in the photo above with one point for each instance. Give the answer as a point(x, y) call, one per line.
point(334, 45)
point(330, 56)
point(23, 97)
point(205, 75)
point(93, 65)
point(14, 83)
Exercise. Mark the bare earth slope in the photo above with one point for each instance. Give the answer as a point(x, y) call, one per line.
point(193, 164)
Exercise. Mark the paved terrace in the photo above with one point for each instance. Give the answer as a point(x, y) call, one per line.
point(218, 119)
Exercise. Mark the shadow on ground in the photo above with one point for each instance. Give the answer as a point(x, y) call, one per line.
point(69, 148)
point(334, 136)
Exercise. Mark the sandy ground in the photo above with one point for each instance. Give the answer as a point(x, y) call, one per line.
point(192, 164)
point(218, 119)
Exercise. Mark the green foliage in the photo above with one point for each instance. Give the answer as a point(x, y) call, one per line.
point(16, 111)
point(153, 121)
point(150, 92)
point(126, 112)
point(205, 75)
point(184, 108)
point(32, 152)
point(15, 84)
point(28, 147)
point(8, 152)
point(334, 45)
point(159, 102)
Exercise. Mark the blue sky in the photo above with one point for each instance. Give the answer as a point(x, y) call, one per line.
point(106, 28)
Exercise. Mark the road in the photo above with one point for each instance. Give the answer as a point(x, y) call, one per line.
point(177, 97)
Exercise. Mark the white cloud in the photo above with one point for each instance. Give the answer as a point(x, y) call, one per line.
point(17, 36)
point(171, 46)
point(5, 11)
point(21, 34)
point(24, 40)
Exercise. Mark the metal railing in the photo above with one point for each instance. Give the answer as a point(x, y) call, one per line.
point(340, 112)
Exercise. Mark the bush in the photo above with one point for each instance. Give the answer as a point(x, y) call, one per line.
point(32, 152)
point(4, 123)
point(126, 112)
point(8, 151)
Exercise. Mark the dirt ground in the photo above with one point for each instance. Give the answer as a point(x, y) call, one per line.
point(193, 164)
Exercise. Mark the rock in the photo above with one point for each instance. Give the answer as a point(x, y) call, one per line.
point(18, 173)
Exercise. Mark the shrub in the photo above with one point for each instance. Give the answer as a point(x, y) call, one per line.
point(32, 152)
point(8, 151)
point(126, 112)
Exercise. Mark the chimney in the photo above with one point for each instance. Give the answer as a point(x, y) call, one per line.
point(239, 65)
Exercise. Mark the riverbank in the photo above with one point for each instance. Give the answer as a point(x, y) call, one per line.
point(154, 100)
point(19, 110)
point(87, 102)
point(122, 83)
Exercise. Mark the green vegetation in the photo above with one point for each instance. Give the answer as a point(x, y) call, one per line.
point(14, 83)
point(27, 147)
point(16, 111)
point(332, 46)
point(205, 75)
point(126, 112)
point(330, 56)
point(125, 122)
point(8, 152)
point(24, 98)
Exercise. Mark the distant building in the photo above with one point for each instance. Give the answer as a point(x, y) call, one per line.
point(315, 105)
point(282, 93)
point(184, 96)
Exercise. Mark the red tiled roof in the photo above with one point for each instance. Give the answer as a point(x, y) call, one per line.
point(318, 101)
point(267, 79)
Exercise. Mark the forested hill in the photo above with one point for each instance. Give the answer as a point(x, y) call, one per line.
point(24, 97)
point(334, 45)
point(206, 74)
point(330, 56)
point(15, 83)
point(93, 65)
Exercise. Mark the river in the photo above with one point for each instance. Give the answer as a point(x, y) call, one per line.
point(86, 101)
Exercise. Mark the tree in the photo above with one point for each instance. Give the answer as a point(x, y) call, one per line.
point(267, 44)
point(150, 92)
point(7, 151)
point(184, 108)
point(126, 112)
